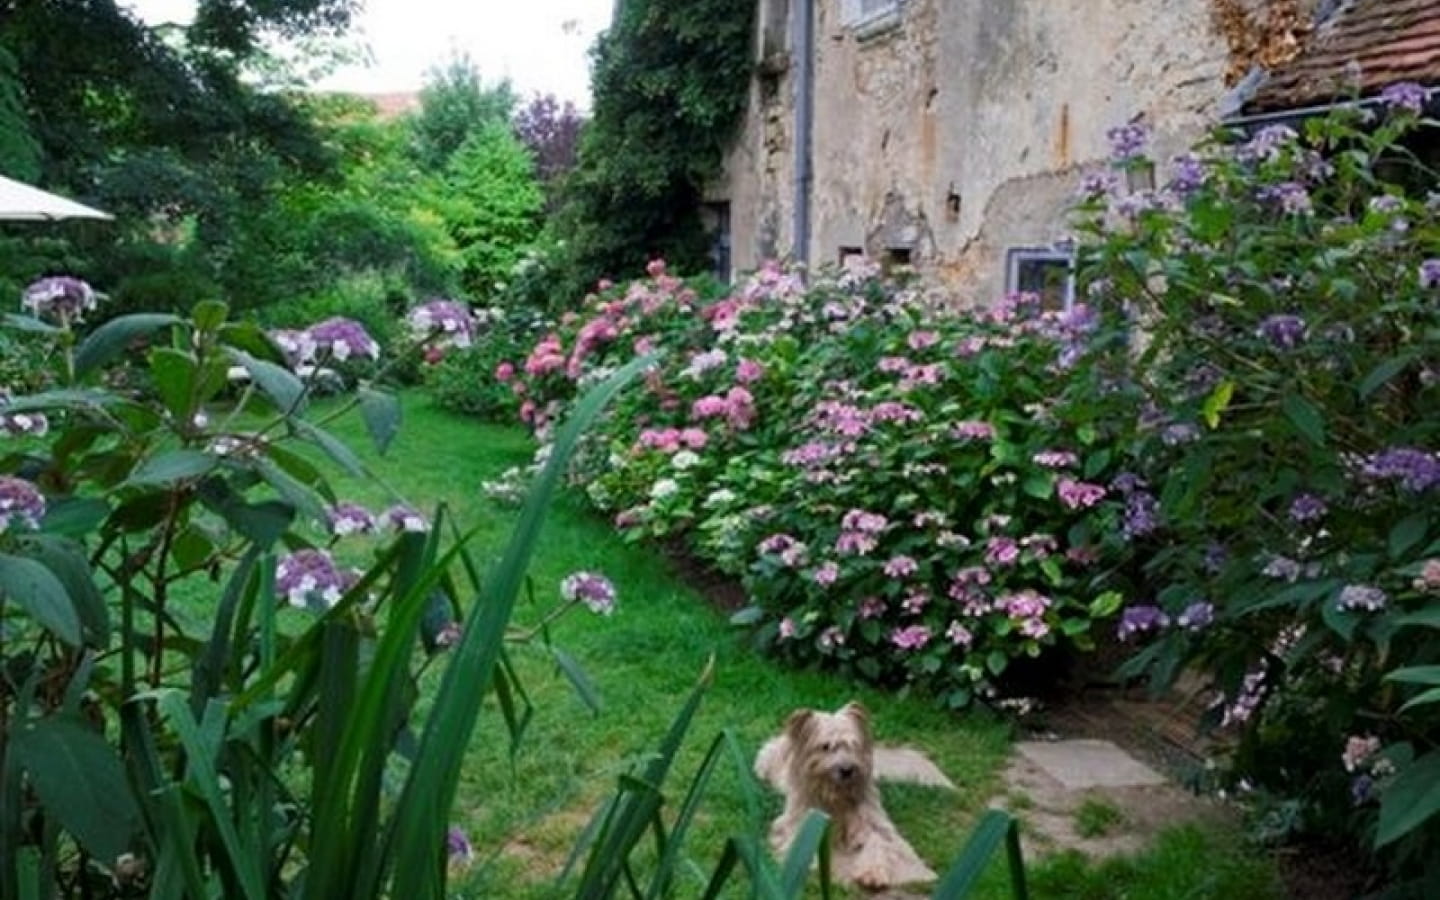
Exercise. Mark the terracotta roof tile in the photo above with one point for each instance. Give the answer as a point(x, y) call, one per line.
point(1390, 40)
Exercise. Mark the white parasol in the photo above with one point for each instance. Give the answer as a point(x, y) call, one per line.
point(21, 202)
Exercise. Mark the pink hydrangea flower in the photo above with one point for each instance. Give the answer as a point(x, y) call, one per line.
point(827, 574)
point(748, 371)
point(911, 637)
point(919, 340)
point(505, 371)
point(901, 567)
point(1079, 494)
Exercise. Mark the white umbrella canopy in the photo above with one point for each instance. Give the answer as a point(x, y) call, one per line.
point(22, 203)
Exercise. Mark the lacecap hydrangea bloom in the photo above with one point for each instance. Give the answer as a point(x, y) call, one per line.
point(20, 502)
point(592, 589)
point(59, 297)
point(446, 320)
point(308, 576)
point(343, 339)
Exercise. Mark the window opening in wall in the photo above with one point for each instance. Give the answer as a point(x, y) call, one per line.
point(1044, 271)
point(716, 219)
point(851, 254)
point(895, 257)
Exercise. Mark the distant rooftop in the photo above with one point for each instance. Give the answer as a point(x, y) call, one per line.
point(392, 105)
point(1374, 43)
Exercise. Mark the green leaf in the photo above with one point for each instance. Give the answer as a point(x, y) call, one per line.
point(28, 323)
point(996, 829)
point(80, 781)
point(282, 386)
point(1217, 403)
point(1424, 698)
point(1039, 485)
point(172, 466)
point(1305, 417)
point(1410, 800)
point(1415, 675)
point(173, 372)
point(66, 560)
point(809, 838)
point(578, 679)
point(1383, 373)
point(747, 616)
point(35, 589)
point(335, 448)
point(109, 340)
point(996, 662)
point(1408, 532)
point(208, 315)
point(381, 412)
point(1106, 604)
point(1429, 616)
point(74, 517)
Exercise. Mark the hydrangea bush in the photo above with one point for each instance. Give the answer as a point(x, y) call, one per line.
point(1282, 292)
point(899, 484)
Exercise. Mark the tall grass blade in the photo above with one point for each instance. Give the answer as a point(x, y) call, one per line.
point(995, 828)
point(670, 855)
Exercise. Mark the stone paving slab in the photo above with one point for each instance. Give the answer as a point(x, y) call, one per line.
point(1086, 763)
point(909, 764)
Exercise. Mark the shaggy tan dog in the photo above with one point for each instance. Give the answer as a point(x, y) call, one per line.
point(826, 761)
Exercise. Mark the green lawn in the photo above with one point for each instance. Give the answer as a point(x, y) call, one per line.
point(524, 811)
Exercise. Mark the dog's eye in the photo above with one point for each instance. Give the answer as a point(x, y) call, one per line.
point(825, 747)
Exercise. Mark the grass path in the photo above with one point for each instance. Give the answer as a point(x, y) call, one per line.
point(643, 660)
point(523, 811)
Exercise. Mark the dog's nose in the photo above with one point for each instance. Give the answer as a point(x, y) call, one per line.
point(847, 772)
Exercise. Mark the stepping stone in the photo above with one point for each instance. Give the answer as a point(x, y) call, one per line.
point(1081, 764)
point(909, 764)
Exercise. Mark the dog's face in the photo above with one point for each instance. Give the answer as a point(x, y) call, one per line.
point(833, 754)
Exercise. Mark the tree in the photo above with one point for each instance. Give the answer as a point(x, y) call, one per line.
point(670, 81)
point(454, 104)
point(551, 132)
point(490, 203)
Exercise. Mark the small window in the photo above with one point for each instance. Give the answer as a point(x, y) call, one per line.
point(848, 254)
point(896, 258)
point(1049, 273)
point(869, 17)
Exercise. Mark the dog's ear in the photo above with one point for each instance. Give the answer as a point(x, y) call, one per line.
point(799, 725)
point(860, 715)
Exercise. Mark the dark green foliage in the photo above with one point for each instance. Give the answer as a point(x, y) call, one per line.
point(670, 81)
point(454, 104)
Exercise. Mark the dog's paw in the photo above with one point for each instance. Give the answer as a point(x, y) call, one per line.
point(871, 878)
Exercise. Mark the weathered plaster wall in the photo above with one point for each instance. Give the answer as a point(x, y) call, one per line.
point(994, 106)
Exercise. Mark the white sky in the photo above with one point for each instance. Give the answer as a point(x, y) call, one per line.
point(540, 45)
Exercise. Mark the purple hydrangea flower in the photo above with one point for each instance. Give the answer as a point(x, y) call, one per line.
point(1289, 197)
point(349, 518)
point(1430, 273)
point(307, 575)
point(1415, 470)
point(1094, 185)
point(1267, 144)
point(1142, 514)
point(59, 297)
point(972, 430)
point(343, 338)
point(20, 502)
point(1362, 789)
point(1364, 597)
point(404, 518)
point(447, 320)
point(1406, 95)
point(1140, 619)
point(1127, 141)
point(1215, 558)
point(1055, 459)
point(1307, 508)
point(591, 589)
point(1282, 331)
point(1197, 616)
point(1187, 175)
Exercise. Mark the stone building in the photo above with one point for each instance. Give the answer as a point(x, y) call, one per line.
point(950, 134)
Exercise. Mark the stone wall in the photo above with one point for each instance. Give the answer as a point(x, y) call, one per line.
point(960, 131)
